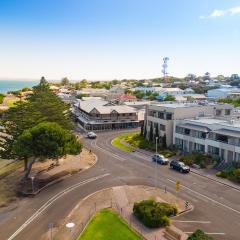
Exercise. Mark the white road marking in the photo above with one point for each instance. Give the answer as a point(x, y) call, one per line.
point(107, 152)
point(52, 200)
point(182, 221)
point(204, 196)
point(208, 233)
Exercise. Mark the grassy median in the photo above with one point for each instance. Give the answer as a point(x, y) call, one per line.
point(117, 142)
point(107, 225)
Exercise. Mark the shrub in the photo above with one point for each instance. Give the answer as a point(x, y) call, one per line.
point(154, 214)
point(221, 174)
point(188, 160)
point(199, 235)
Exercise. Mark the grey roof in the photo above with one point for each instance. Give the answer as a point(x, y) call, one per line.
point(195, 127)
point(103, 107)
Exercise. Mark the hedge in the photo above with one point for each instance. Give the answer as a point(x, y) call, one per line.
point(154, 214)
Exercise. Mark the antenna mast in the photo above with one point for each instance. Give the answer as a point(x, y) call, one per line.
point(164, 68)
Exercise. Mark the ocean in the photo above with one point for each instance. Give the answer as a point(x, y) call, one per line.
point(14, 85)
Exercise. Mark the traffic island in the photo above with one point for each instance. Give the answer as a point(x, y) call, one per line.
point(121, 200)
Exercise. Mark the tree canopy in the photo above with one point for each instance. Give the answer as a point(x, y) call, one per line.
point(43, 141)
point(42, 105)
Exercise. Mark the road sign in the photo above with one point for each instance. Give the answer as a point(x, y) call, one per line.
point(178, 185)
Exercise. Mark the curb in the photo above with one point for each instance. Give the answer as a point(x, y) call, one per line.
point(192, 170)
point(60, 179)
point(215, 180)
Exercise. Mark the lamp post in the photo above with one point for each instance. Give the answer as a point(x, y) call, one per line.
point(156, 164)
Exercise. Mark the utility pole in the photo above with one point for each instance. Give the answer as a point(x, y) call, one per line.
point(156, 163)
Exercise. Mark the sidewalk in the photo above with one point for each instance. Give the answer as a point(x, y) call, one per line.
point(121, 199)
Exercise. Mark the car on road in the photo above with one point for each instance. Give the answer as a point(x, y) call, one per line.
point(179, 166)
point(91, 135)
point(160, 159)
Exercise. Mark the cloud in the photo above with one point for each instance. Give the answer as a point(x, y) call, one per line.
point(218, 13)
point(223, 12)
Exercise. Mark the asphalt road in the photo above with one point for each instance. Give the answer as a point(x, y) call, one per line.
point(216, 206)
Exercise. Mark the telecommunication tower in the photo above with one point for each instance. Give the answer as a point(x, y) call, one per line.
point(164, 67)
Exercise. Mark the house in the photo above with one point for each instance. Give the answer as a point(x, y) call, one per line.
point(222, 92)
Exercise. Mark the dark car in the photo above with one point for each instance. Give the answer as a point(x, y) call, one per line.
point(160, 159)
point(179, 166)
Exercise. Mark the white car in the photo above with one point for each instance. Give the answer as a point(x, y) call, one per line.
point(91, 135)
point(160, 159)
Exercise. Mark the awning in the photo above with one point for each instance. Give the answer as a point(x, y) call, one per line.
point(195, 127)
point(228, 132)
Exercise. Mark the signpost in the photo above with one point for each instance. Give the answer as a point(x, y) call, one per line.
point(178, 184)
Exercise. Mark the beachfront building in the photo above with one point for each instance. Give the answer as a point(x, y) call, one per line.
point(217, 137)
point(162, 116)
point(98, 114)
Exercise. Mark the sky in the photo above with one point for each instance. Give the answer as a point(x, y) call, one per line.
point(117, 39)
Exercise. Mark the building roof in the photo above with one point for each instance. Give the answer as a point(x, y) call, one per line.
point(126, 97)
point(104, 107)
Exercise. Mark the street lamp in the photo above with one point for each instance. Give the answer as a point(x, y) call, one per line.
point(156, 164)
point(70, 226)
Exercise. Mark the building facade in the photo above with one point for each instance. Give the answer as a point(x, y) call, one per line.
point(96, 114)
point(162, 116)
point(217, 137)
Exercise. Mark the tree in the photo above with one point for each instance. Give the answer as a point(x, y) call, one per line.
point(169, 98)
point(15, 120)
point(45, 141)
point(50, 106)
point(65, 81)
point(41, 106)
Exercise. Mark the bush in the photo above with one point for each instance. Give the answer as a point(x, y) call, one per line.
point(154, 214)
point(232, 174)
point(199, 235)
point(200, 159)
point(221, 174)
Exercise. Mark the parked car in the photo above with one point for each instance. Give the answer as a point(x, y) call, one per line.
point(91, 135)
point(160, 159)
point(179, 166)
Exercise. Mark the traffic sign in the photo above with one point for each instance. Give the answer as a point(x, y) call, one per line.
point(178, 185)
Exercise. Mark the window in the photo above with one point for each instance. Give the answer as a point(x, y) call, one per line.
point(149, 123)
point(162, 127)
point(227, 111)
point(169, 116)
point(218, 112)
point(187, 131)
point(161, 115)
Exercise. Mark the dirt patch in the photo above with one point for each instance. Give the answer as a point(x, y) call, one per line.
point(44, 173)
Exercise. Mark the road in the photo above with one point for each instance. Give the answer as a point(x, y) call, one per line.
point(216, 206)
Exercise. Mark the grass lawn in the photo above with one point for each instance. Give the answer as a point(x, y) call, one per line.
point(107, 225)
point(135, 140)
point(116, 142)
